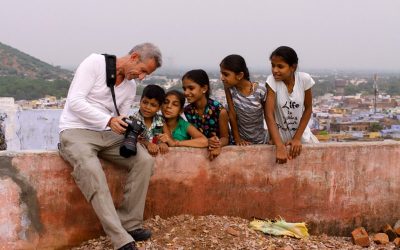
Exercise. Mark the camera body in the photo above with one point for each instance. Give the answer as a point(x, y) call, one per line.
point(133, 130)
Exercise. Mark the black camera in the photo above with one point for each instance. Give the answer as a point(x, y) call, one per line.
point(133, 130)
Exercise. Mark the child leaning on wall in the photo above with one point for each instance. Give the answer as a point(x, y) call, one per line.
point(183, 134)
point(288, 105)
point(246, 102)
point(150, 103)
point(206, 114)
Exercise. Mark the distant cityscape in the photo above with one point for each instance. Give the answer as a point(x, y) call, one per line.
point(340, 112)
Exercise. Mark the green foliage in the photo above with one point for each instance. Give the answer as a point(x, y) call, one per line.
point(28, 89)
point(390, 85)
point(375, 127)
point(323, 132)
point(364, 88)
point(322, 88)
point(350, 89)
point(17, 63)
point(25, 77)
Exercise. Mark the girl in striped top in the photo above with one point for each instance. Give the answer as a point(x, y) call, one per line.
point(245, 100)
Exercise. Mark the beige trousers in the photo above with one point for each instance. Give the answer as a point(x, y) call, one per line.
point(82, 149)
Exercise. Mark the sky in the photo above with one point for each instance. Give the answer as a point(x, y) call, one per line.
point(326, 34)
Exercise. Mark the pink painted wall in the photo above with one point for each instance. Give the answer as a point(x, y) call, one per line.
point(333, 187)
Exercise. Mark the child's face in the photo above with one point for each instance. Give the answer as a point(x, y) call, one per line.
point(229, 78)
point(193, 91)
point(280, 69)
point(149, 107)
point(171, 107)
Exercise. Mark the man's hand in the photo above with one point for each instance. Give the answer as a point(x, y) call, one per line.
point(117, 124)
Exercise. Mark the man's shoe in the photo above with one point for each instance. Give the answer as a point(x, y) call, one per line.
point(140, 234)
point(129, 246)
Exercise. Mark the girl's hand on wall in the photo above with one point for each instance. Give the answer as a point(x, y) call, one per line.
point(163, 148)
point(214, 142)
point(214, 153)
point(166, 138)
point(242, 143)
point(152, 148)
point(281, 154)
point(295, 148)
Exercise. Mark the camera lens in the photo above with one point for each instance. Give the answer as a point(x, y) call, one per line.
point(134, 129)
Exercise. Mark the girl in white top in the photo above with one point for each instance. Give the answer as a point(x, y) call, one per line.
point(288, 105)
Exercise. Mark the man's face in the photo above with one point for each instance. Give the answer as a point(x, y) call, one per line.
point(138, 69)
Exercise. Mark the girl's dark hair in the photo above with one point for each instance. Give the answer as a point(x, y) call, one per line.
point(154, 91)
point(179, 95)
point(200, 77)
point(236, 64)
point(288, 55)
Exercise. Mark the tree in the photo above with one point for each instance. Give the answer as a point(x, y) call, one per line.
point(375, 127)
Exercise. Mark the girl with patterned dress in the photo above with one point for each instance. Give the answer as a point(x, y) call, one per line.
point(246, 101)
point(288, 105)
point(206, 114)
point(183, 134)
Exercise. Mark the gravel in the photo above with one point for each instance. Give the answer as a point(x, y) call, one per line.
point(222, 232)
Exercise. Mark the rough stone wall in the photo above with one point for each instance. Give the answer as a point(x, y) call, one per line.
point(3, 143)
point(333, 187)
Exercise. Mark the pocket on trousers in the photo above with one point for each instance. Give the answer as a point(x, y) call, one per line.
point(61, 152)
point(62, 149)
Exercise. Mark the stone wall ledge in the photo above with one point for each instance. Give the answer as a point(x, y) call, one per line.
point(334, 187)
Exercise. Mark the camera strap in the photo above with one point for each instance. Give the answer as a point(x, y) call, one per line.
point(111, 76)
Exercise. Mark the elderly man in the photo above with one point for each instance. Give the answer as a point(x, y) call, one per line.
point(91, 129)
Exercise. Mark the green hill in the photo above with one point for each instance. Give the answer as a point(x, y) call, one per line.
point(16, 63)
point(25, 77)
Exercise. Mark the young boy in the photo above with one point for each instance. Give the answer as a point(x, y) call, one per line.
point(150, 103)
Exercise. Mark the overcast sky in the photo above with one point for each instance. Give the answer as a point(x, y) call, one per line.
point(327, 34)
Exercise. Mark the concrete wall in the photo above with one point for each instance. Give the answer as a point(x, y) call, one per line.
point(333, 187)
point(32, 129)
point(8, 116)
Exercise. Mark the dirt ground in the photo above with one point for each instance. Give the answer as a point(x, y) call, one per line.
point(222, 232)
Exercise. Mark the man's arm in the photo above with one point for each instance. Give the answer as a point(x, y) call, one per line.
point(83, 82)
point(126, 105)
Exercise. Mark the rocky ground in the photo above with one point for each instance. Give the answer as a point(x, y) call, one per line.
point(222, 232)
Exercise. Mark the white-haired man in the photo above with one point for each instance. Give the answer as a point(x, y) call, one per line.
point(90, 128)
